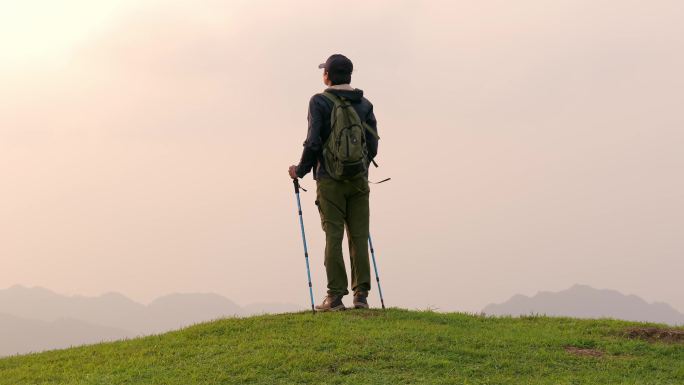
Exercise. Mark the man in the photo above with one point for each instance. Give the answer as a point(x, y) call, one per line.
point(341, 202)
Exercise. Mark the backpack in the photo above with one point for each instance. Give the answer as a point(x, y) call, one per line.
point(345, 152)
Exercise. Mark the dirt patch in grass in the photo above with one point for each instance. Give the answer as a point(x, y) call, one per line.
point(367, 313)
point(583, 352)
point(656, 334)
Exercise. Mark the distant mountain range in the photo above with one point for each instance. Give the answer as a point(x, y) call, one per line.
point(583, 301)
point(21, 335)
point(35, 319)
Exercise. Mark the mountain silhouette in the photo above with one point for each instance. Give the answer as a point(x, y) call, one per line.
point(583, 301)
point(185, 309)
point(21, 335)
point(32, 315)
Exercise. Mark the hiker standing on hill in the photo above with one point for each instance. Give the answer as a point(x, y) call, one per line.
point(340, 167)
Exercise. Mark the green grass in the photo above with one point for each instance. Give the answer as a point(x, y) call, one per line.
point(364, 347)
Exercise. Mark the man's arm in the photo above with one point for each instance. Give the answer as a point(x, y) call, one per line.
point(313, 144)
point(372, 138)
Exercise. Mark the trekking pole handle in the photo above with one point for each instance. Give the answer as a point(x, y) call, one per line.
point(297, 186)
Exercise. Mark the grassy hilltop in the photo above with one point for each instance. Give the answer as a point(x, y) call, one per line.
point(371, 347)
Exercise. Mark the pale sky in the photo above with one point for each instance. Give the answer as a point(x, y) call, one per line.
point(532, 145)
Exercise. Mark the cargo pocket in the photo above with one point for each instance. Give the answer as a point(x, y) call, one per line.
point(320, 212)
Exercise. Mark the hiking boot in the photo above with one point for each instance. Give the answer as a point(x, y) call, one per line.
point(360, 301)
point(331, 303)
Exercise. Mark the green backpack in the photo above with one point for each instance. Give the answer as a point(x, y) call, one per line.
point(345, 152)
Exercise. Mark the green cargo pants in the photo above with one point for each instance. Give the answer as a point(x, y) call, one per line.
point(345, 203)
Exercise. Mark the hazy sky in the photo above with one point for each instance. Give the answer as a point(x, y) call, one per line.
point(531, 144)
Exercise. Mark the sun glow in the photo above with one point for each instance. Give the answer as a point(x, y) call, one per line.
point(44, 32)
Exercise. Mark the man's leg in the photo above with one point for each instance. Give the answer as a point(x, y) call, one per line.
point(357, 233)
point(332, 207)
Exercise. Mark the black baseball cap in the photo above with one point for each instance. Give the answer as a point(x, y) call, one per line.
point(337, 63)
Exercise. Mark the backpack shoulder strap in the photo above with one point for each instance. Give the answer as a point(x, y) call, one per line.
point(371, 130)
point(334, 98)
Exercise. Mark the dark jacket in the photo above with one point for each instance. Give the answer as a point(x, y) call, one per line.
point(320, 109)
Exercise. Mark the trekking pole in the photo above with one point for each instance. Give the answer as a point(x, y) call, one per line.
point(375, 267)
point(306, 251)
